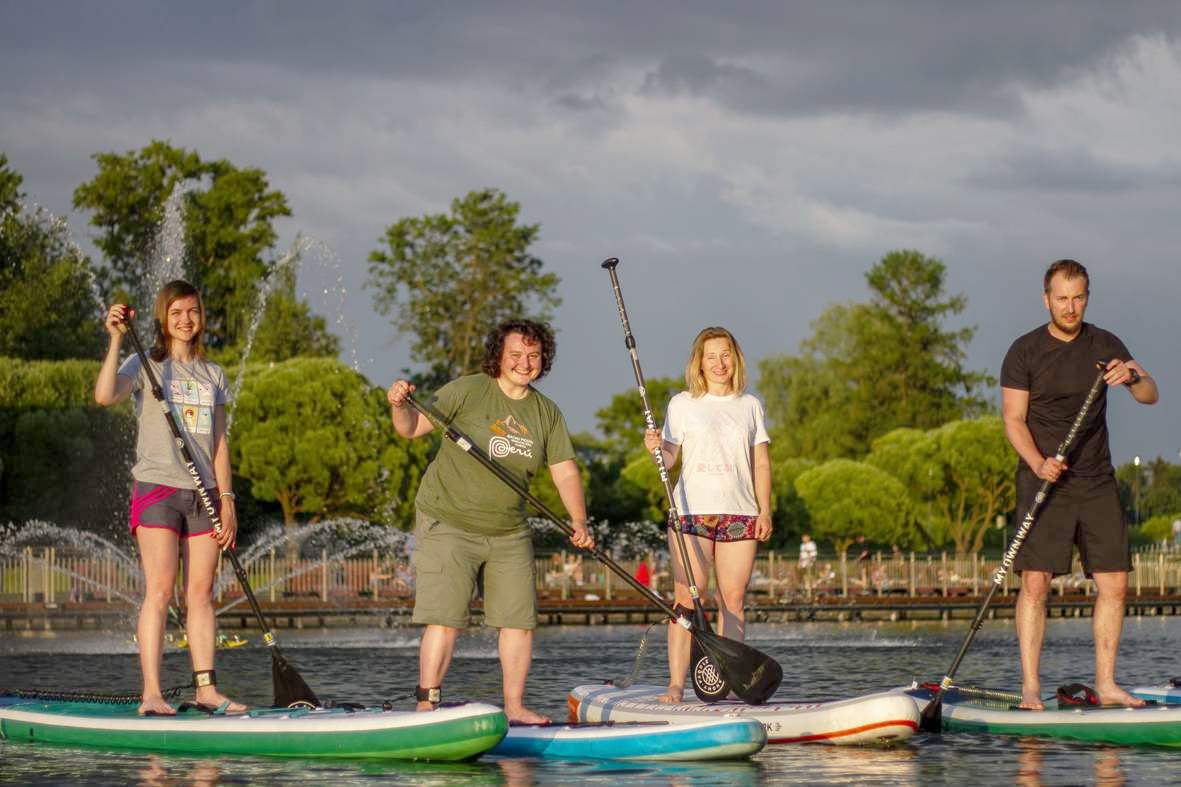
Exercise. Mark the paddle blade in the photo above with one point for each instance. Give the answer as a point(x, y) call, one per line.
point(931, 719)
point(290, 687)
point(752, 675)
point(708, 683)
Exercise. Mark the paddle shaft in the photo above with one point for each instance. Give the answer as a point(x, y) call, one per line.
point(674, 518)
point(471, 449)
point(202, 492)
point(998, 577)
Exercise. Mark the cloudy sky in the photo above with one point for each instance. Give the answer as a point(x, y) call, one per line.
point(747, 162)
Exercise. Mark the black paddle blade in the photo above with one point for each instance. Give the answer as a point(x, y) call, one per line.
point(290, 687)
point(931, 719)
point(708, 683)
point(752, 675)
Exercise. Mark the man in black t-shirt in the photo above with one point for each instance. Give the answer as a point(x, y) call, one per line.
point(1044, 380)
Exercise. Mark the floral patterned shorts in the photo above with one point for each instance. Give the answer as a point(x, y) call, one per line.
point(720, 527)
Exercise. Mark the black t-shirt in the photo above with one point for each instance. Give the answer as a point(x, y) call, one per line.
point(1058, 376)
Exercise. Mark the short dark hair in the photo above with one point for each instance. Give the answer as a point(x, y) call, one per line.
point(537, 332)
point(1068, 268)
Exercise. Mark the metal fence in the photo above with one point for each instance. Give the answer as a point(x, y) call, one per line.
point(52, 576)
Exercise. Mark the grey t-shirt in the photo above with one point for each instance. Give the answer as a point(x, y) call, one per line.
point(193, 390)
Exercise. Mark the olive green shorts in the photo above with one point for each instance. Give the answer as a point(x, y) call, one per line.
point(446, 561)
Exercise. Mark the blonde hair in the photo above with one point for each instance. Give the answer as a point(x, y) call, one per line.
point(171, 292)
point(693, 376)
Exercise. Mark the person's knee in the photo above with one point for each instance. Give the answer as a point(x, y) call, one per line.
point(158, 597)
point(732, 601)
point(1035, 585)
point(1112, 586)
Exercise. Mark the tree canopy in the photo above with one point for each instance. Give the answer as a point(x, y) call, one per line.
point(448, 278)
point(869, 368)
point(846, 499)
point(47, 305)
point(314, 436)
point(958, 476)
point(229, 235)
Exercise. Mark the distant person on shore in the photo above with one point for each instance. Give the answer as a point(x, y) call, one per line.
point(467, 518)
point(1045, 378)
point(643, 575)
point(723, 496)
point(166, 513)
point(807, 563)
point(1177, 533)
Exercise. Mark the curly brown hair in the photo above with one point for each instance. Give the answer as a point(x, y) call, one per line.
point(533, 332)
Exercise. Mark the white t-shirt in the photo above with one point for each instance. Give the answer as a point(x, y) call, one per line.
point(716, 434)
point(807, 554)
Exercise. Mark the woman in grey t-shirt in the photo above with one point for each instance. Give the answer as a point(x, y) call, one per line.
point(165, 509)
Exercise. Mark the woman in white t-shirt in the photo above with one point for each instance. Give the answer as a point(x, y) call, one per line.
point(723, 495)
point(166, 513)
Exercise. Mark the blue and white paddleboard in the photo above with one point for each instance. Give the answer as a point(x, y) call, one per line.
point(1167, 694)
point(690, 739)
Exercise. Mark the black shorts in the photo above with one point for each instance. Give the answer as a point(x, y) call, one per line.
point(1091, 518)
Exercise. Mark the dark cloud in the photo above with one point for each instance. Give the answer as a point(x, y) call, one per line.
point(1071, 170)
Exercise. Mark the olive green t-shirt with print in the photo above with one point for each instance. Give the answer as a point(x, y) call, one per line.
point(521, 435)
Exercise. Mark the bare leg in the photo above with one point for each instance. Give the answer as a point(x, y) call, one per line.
point(1107, 623)
point(157, 550)
point(200, 554)
point(516, 651)
point(679, 640)
point(434, 657)
point(733, 563)
point(1031, 631)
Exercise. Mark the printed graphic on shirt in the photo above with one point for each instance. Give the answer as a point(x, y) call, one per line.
point(722, 430)
point(192, 404)
point(509, 436)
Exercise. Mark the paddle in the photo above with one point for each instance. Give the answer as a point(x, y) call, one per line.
point(932, 716)
point(290, 688)
point(752, 676)
point(708, 684)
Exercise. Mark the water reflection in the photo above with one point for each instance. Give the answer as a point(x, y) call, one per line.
point(1042, 762)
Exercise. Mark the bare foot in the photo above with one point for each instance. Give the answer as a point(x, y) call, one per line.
point(156, 706)
point(209, 695)
point(674, 696)
point(522, 715)
point(1031, 700)
point(1114, 695)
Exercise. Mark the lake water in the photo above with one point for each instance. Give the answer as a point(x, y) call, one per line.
point(820, 661)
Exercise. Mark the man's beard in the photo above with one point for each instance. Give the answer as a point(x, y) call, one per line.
point(1069, 330)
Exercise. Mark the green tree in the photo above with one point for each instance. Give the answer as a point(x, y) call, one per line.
point(228, 227)
point(47, 306)
point(790, 515)
point(846, 499)
point(54, 438)
point(447, 279)
point(959, 477)
point(314, 436)
point(624, 484)
point(869, 368)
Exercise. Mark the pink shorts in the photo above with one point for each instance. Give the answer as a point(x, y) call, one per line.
point(720, 527)
point(178, 510)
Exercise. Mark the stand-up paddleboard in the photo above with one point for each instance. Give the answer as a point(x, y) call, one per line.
point(1168, 693)
point(699, 739)
point(967, 711)
point(873, 718)
point(448, 733)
